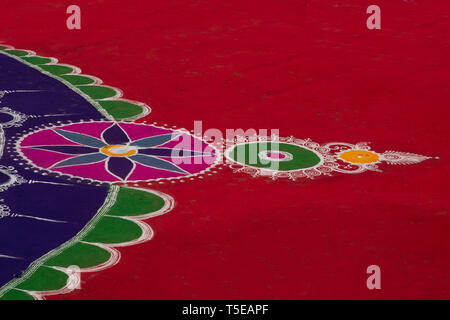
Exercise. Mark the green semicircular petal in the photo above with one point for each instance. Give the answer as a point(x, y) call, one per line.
point(133, 202)
point(80, 254)
point(113, 230)
point(44, 279)
point(37, 60)
point(77, 80)
point(56, 70)
point(98, 92)
point(16, 295)
point(121, 109)
point(18, 53)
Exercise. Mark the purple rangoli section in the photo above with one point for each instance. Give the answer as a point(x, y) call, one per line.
point(39, 211)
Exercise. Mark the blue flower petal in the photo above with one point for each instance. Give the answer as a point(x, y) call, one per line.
point(80, 160)
point(155, 140)
point(156, 163)
point(67, 149)
point(81, 138)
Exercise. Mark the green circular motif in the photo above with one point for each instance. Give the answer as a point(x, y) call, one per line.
point(248, 154)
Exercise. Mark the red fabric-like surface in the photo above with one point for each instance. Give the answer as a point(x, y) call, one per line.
point(311, 69)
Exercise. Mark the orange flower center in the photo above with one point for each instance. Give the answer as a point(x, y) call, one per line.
point(118, 150)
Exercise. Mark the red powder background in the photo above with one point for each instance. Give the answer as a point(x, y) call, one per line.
point(309, 68)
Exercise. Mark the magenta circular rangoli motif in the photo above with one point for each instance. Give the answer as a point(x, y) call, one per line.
point(117, 151)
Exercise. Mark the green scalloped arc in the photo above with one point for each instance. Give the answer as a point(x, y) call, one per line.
point(56, 70)
point(77, 80)
point(37, 60)
point(135, 202)
point(45, 279)
point(83, 255)
point(15, 294)
point(118, 109)
point(112, 228)
point(98, 92)
point(17, 53)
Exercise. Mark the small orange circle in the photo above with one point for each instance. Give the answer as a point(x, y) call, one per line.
point(115, 151)
point(359, 156)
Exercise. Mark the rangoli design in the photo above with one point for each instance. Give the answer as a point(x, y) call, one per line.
point(117, 151)
point(279, 157)
point(72, 155)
